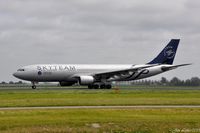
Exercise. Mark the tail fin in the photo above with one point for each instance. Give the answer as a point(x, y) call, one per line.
point(167, 55)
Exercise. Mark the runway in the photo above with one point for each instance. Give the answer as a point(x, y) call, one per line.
point(103, 107)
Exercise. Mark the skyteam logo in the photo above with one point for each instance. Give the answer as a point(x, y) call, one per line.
point(169, 52)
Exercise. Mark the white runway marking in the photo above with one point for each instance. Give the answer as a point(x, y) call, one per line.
point(104, 107)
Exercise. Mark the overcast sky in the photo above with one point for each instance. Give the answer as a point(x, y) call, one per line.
point(97, 31)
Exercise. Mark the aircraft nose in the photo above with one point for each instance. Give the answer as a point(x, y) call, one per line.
point(16, 74)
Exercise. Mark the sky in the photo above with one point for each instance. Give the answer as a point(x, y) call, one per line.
point(97, 32)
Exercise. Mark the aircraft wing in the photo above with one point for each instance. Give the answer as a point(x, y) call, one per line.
point(108, 74)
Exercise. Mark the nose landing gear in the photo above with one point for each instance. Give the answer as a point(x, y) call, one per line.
point(33, 85)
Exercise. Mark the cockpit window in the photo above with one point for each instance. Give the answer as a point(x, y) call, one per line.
point(20, 70)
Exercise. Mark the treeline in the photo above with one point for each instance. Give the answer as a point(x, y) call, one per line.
point(194, 81)
point(12, 82)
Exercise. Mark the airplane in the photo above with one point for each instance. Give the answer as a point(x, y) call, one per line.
point(97, 76)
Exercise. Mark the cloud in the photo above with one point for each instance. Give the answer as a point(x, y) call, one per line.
point(97, 31)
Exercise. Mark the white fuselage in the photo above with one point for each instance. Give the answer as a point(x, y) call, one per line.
point(67, 72)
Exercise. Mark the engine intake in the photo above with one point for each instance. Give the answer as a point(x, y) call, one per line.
point(86, 80)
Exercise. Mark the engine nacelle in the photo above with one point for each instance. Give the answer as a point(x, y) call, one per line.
point(86, 80)
point(64, 83)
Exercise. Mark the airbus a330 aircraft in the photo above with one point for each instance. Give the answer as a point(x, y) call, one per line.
point(99, 76)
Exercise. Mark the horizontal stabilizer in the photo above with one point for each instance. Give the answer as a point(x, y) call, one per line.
point(167, 68)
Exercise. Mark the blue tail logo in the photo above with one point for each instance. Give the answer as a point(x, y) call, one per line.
point(169, 52)
point(167, 55)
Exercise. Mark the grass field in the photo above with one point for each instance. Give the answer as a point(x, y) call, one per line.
point(168, 120)
point(100, 120)
point(12, 97)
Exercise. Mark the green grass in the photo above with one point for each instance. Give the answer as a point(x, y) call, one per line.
point(12, 97)
point(169, 120)
point(108, 120)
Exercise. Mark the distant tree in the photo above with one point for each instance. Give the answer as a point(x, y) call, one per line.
point(3, 82)
point(19, 82)
point(175, 81)
point(195, 81)
point(11, 82)
point(187, 82)
point(146, 82)
point(163, 81)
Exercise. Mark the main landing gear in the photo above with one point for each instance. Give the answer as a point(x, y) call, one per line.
point(33, 85)
point(101, 86)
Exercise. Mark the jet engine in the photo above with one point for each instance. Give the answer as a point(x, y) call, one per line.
point(86, 80)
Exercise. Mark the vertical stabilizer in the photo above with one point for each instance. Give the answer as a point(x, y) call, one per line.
point(167, 55)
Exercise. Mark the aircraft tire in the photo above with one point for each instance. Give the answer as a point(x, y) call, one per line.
point(33, 87)
point(90, 86)
point(103, 86)
point(96, 86)
point(108, 86)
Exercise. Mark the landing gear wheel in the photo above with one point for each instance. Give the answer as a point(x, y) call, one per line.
point(108, 86)
point(90, 86)
point(102, 86)
point(96, 86)
point(33, 87)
